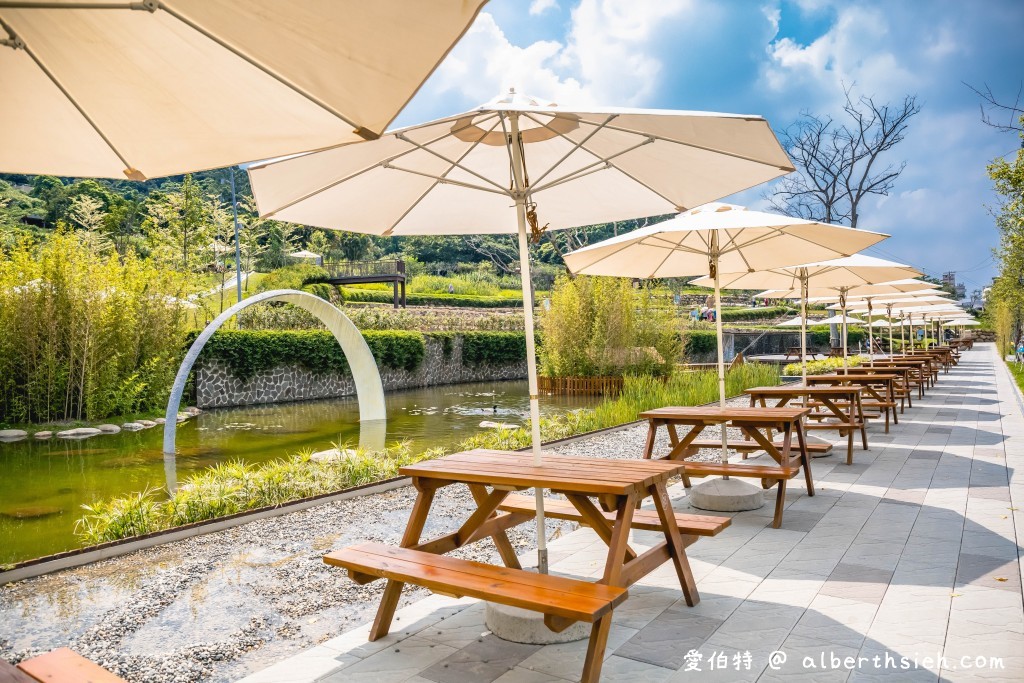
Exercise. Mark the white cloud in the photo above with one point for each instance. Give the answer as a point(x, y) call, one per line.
point(858, 48)
point(606, 57)
point(538, 7)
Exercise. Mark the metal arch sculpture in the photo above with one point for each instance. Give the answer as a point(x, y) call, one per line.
point(369, 388)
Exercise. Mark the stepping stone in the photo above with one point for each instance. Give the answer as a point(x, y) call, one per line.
point(79, 433)
point(108, 429)
point(31, 512)
point(13, 434)
point(43, 435)
point(132, 427)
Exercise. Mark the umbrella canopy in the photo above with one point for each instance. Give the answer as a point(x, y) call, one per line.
point(883, 323)
point(860, 306)
point(579, 167)
point(517, 161)
point(841, 320)
point(798, 322)
point(153, 88)
point(894, 289)
point(970, 322)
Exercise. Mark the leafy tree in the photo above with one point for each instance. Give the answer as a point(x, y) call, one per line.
point(176, 219)
point(51, 191)
point(318, 242)
point(355, 246)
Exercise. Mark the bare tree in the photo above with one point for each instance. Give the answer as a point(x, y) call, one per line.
point(501, 250)
point(839, 163)
point(992, 106)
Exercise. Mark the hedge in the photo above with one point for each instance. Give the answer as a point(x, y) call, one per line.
point(763, 313)
point(493, 348)
point(699, 341)
point(820, 335)
point(428, 299)
point(248, 352)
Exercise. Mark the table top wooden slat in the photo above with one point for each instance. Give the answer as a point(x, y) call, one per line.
point(801, 390)
point(866, 377)
point(557, 472)
point(717, 414)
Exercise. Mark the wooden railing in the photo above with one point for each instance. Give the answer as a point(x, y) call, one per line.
point(364, 268)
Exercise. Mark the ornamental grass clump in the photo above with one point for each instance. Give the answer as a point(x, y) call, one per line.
point(639, 393)
point(234, 487)
point(825, 365)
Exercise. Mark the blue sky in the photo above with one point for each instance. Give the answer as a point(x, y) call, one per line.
point(776, 58)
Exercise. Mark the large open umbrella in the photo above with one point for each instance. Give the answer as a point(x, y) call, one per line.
point(148, 88)
point(716, 239)
point(521, 165)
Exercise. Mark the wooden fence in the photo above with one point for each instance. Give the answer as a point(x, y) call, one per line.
point(607, 386)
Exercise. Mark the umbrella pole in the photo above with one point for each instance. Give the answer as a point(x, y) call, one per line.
point(719, 335)
point(531, 353)
point(871, 338)
point(842, 303)
point(803, 326)
point(888, 318)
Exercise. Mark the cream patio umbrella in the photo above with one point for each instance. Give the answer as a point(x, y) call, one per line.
point(864, 304)
point(836, 276)
point(716, 239)
point(520, 165)
point(148, 88)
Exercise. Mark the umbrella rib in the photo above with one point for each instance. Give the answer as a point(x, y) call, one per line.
point(60, 86)
point(351, 176)
point(662, 138)
point(444, 181)
point(435, 183)
point(606, 161)
point(404, 138)
point(575, 146)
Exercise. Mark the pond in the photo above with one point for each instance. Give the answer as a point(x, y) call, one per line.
point(43, 484)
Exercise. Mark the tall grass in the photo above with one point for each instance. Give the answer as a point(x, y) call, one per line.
point(638, 394)
point(236, 486)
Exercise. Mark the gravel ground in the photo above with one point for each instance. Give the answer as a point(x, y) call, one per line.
point(217, 607)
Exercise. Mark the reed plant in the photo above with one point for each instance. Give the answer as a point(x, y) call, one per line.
point(236, 486)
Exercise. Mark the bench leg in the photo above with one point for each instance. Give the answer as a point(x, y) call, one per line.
point(393, 589)
point(780, 502)
point(595, 649)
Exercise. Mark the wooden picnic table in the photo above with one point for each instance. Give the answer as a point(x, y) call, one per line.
point(879, 390)
point(618, 485)
point(922, 375)
point(842, 403)
point(902, 387)
point(756, 424)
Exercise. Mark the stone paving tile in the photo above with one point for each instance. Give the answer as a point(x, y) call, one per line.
point(483, 660)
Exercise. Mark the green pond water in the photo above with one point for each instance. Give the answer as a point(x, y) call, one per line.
point(43, 484)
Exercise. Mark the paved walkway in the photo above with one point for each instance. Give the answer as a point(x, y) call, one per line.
point(905, 566)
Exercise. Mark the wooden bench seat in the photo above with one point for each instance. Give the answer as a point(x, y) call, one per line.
point(751, 446)
point(62, 666)
point(773, 472)
point(690, 526)
point(562, 600)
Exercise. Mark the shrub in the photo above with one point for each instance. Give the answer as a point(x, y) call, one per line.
point(493, 348)
point(85, 335)
point(292, 277)
point(603, 326)
point(825, 365)
point(356, 295)
point(699, 342)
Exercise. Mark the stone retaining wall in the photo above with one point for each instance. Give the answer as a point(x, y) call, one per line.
point(217, 387)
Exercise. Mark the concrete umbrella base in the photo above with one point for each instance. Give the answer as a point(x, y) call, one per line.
point(525, 626)
point(816, 439)
point(726, 495)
